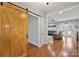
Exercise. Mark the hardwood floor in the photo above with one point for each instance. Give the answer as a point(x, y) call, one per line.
point(34, 51)
point(57, 49)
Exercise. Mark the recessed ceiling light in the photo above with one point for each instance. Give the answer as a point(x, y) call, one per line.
point(60, 12)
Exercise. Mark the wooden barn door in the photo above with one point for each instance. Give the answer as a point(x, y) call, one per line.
point(13, 30)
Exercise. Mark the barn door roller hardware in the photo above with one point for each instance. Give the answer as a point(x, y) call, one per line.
point(24, 9)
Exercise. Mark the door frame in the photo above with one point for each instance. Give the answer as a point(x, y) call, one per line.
point(38, 29)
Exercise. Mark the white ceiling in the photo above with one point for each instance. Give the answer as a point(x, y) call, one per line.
point(42, 9)
point(67, 14)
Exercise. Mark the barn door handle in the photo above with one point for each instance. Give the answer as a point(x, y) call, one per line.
point(27, 35)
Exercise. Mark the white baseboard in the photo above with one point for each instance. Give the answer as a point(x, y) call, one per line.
point(38, 44)
point(35, 44)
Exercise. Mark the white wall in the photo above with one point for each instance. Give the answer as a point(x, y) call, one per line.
point(42, 30)
point(78, 25)
point(65, 26)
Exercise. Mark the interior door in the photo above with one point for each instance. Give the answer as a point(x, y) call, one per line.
point(33, 29)
point(13, 30)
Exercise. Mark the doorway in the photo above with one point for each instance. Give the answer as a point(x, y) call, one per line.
point(33, 29)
